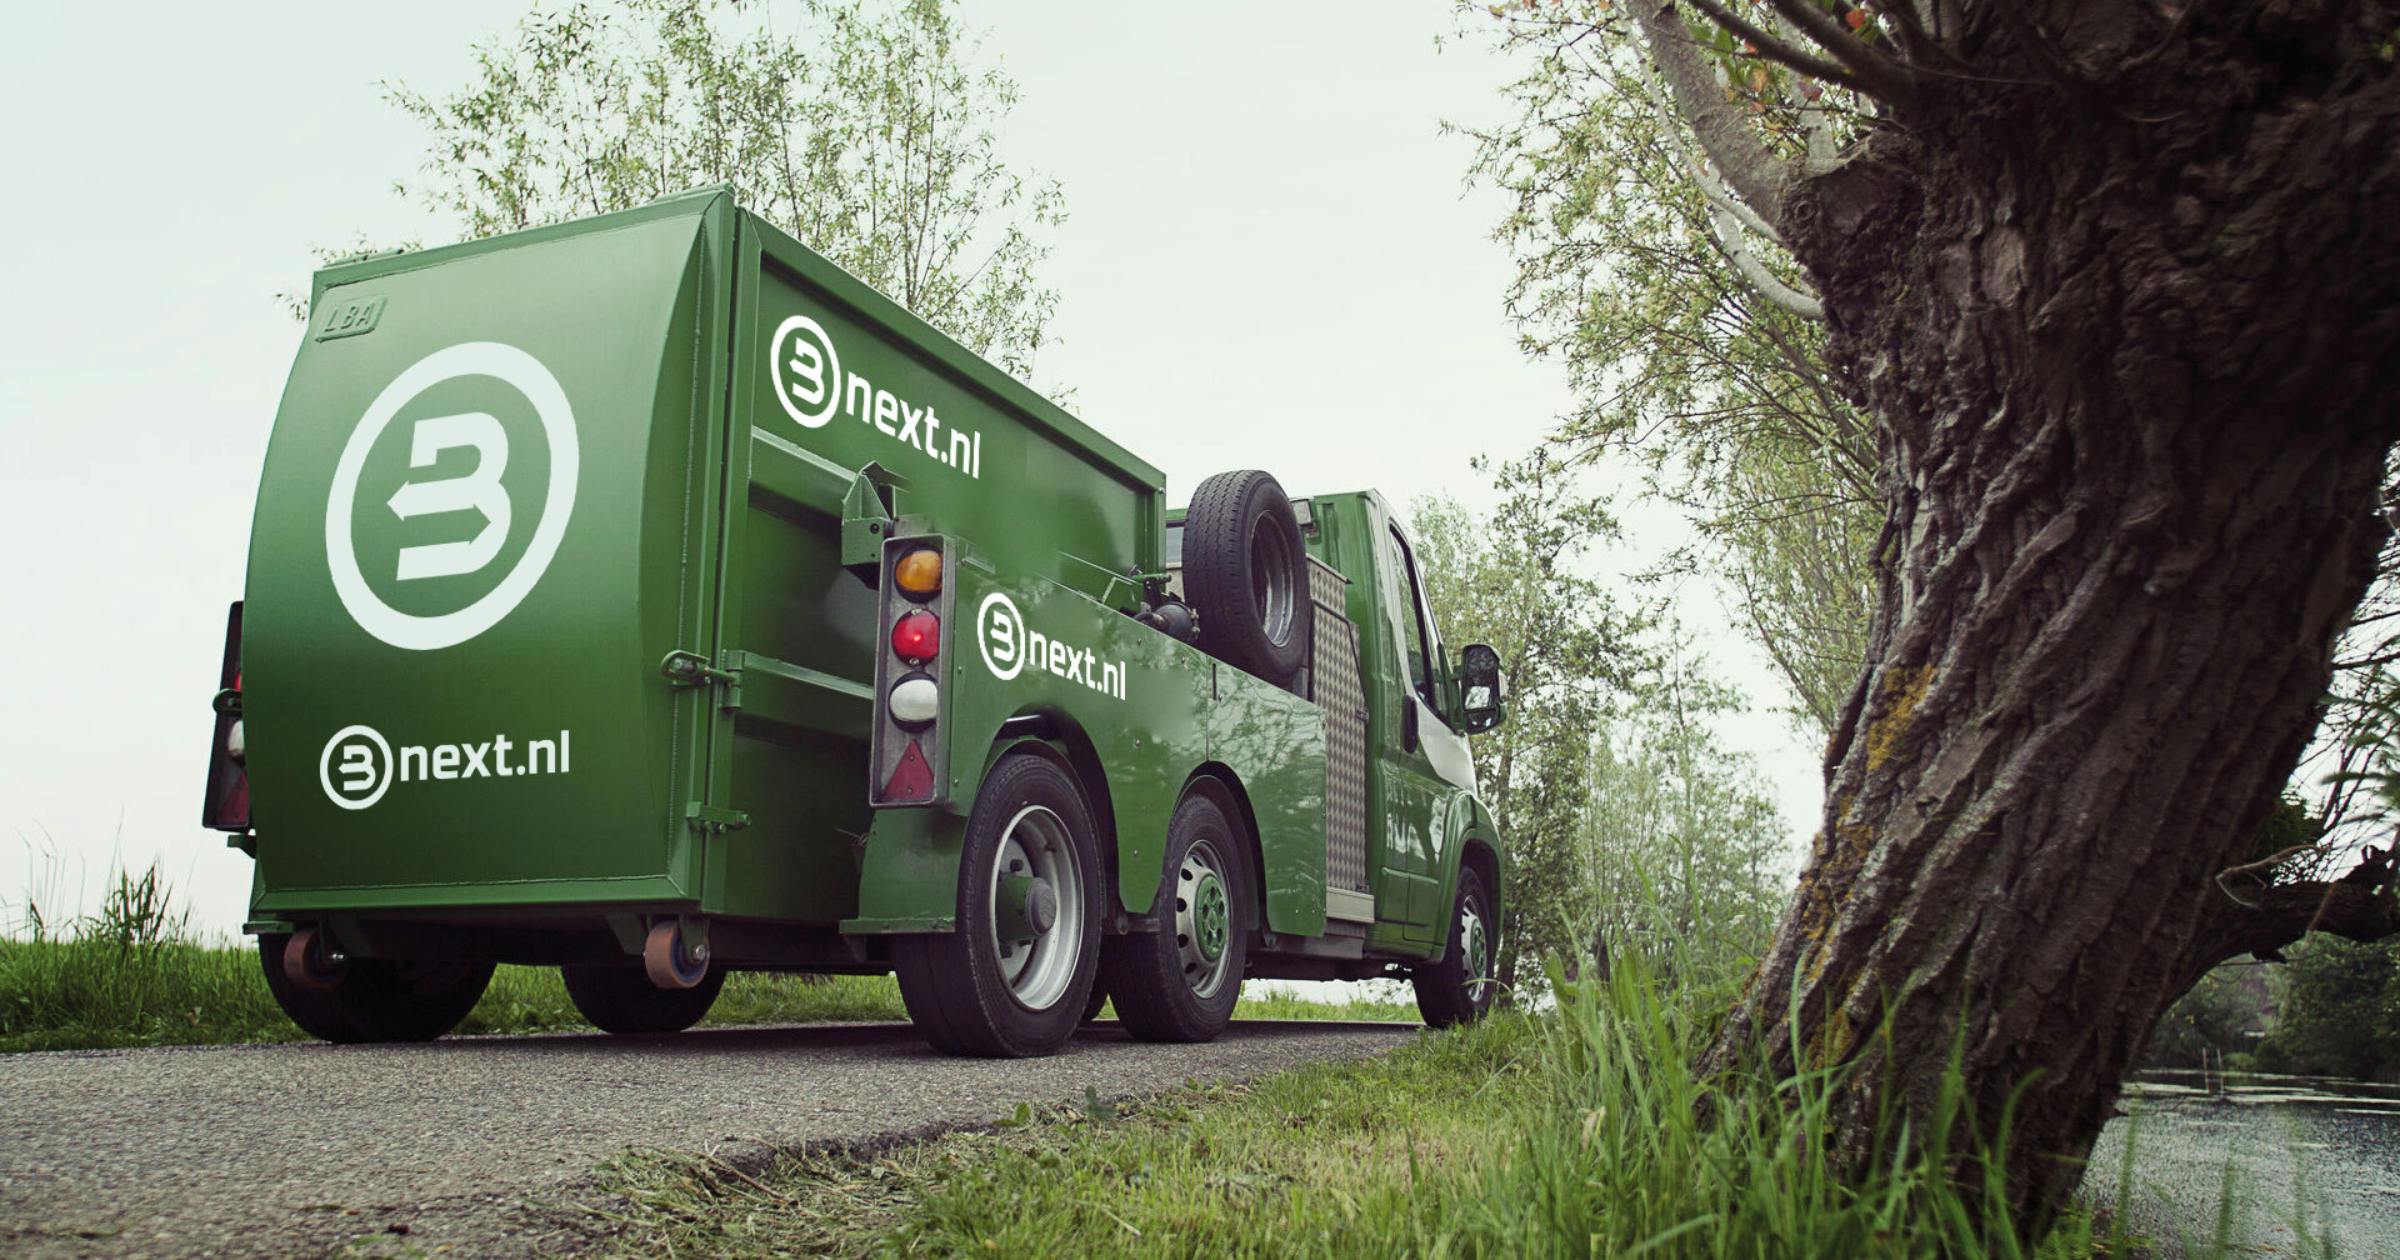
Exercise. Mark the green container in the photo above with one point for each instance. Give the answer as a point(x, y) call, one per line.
point(526, 502)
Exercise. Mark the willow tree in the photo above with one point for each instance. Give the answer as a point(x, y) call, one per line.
point(1691, 344)
point(2118, 282)
point(868, 131)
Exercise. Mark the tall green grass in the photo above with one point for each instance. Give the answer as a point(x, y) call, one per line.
point(128, 974)
point(1261, 1001)
point(1634, 1152)
point(1582, 1130)
point(85, 993)
point(82, 994)
point(132, 973)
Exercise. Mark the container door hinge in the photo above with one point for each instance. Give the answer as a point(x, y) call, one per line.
point(711, 820)
point(870, 514)
point(690, 669)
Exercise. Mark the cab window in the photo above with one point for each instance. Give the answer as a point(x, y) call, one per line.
point(1419, 645)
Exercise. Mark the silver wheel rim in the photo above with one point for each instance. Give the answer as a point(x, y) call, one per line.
point(1203, 919)
point(1037, 844)
point(1271, 579)
point(1475, 951)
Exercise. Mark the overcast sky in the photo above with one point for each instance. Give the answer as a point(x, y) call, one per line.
point(1270, 261)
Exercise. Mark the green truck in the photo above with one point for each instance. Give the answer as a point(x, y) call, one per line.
point(647, 597)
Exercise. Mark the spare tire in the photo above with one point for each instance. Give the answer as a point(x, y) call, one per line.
point(1246, 574)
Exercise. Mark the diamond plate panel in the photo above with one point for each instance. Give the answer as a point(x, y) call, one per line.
point(1335, 685)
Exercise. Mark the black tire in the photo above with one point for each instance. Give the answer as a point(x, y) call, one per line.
point(1459, 989)
point(1180, 983)
point(1093, 1005)
point(619, 998)
point(966, 990)
point(1246, 573)
point(377, 999)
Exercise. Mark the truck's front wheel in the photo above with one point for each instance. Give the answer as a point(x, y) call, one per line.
point(1010, 981)
point(1459, 989)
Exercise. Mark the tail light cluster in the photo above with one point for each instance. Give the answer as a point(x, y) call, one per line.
point(916, 600)
point(226, 804)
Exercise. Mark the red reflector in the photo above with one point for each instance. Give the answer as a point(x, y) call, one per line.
point(912, 779)
point(917, 636)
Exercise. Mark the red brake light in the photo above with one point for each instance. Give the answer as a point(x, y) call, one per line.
point(917, 636)
point(225, 805)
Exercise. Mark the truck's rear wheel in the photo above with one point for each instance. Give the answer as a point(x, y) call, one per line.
point(1180, 982)
point(349, 1000)
point(1010, 981)
point(1459, 989)
point(621, 998)
point(1247, 574)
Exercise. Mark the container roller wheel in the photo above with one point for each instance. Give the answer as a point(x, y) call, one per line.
point(670, 963)
point(310, 964)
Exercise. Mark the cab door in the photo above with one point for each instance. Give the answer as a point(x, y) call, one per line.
point(1416, 751)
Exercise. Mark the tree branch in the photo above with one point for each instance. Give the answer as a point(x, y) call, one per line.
point(1882, 73)
point(1728, 238)
point(2360, 906)
point(2358, 912)
point(1816, 134)
point(1756, 175)
point(1914, 31)
point(1776, 50)
point(1723, 200)
point(1673, 146)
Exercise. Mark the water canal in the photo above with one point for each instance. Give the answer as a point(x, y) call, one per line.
point(2304, 1166)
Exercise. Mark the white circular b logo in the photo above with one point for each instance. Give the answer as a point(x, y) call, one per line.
point(479, 490)
point(363, 771)
point(1000, 632)
point(808, 374)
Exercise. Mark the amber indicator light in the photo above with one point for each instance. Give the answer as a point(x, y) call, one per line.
point(919, 573)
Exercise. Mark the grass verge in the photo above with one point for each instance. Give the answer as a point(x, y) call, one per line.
point(1572, 1133)
point(98, 993)
point(95, 993)
point(131, 974)
point(1328, 1159)
point(1269, 1003)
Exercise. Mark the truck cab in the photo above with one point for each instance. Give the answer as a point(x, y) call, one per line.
point(646, 597)
point(1418, 797)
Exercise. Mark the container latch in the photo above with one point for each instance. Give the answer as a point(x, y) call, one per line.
point(714, 819)
point(691, 669)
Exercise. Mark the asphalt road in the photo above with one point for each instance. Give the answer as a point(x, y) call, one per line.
point(488, 1144)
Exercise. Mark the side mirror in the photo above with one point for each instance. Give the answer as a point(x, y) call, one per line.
point(1479, 689)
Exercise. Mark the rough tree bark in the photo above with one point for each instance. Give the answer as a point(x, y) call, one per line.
point(2121, 278)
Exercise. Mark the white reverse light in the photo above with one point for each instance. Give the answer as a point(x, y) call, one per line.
point(915, 701)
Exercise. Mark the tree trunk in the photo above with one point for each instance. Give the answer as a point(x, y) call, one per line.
point(2127, 299)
